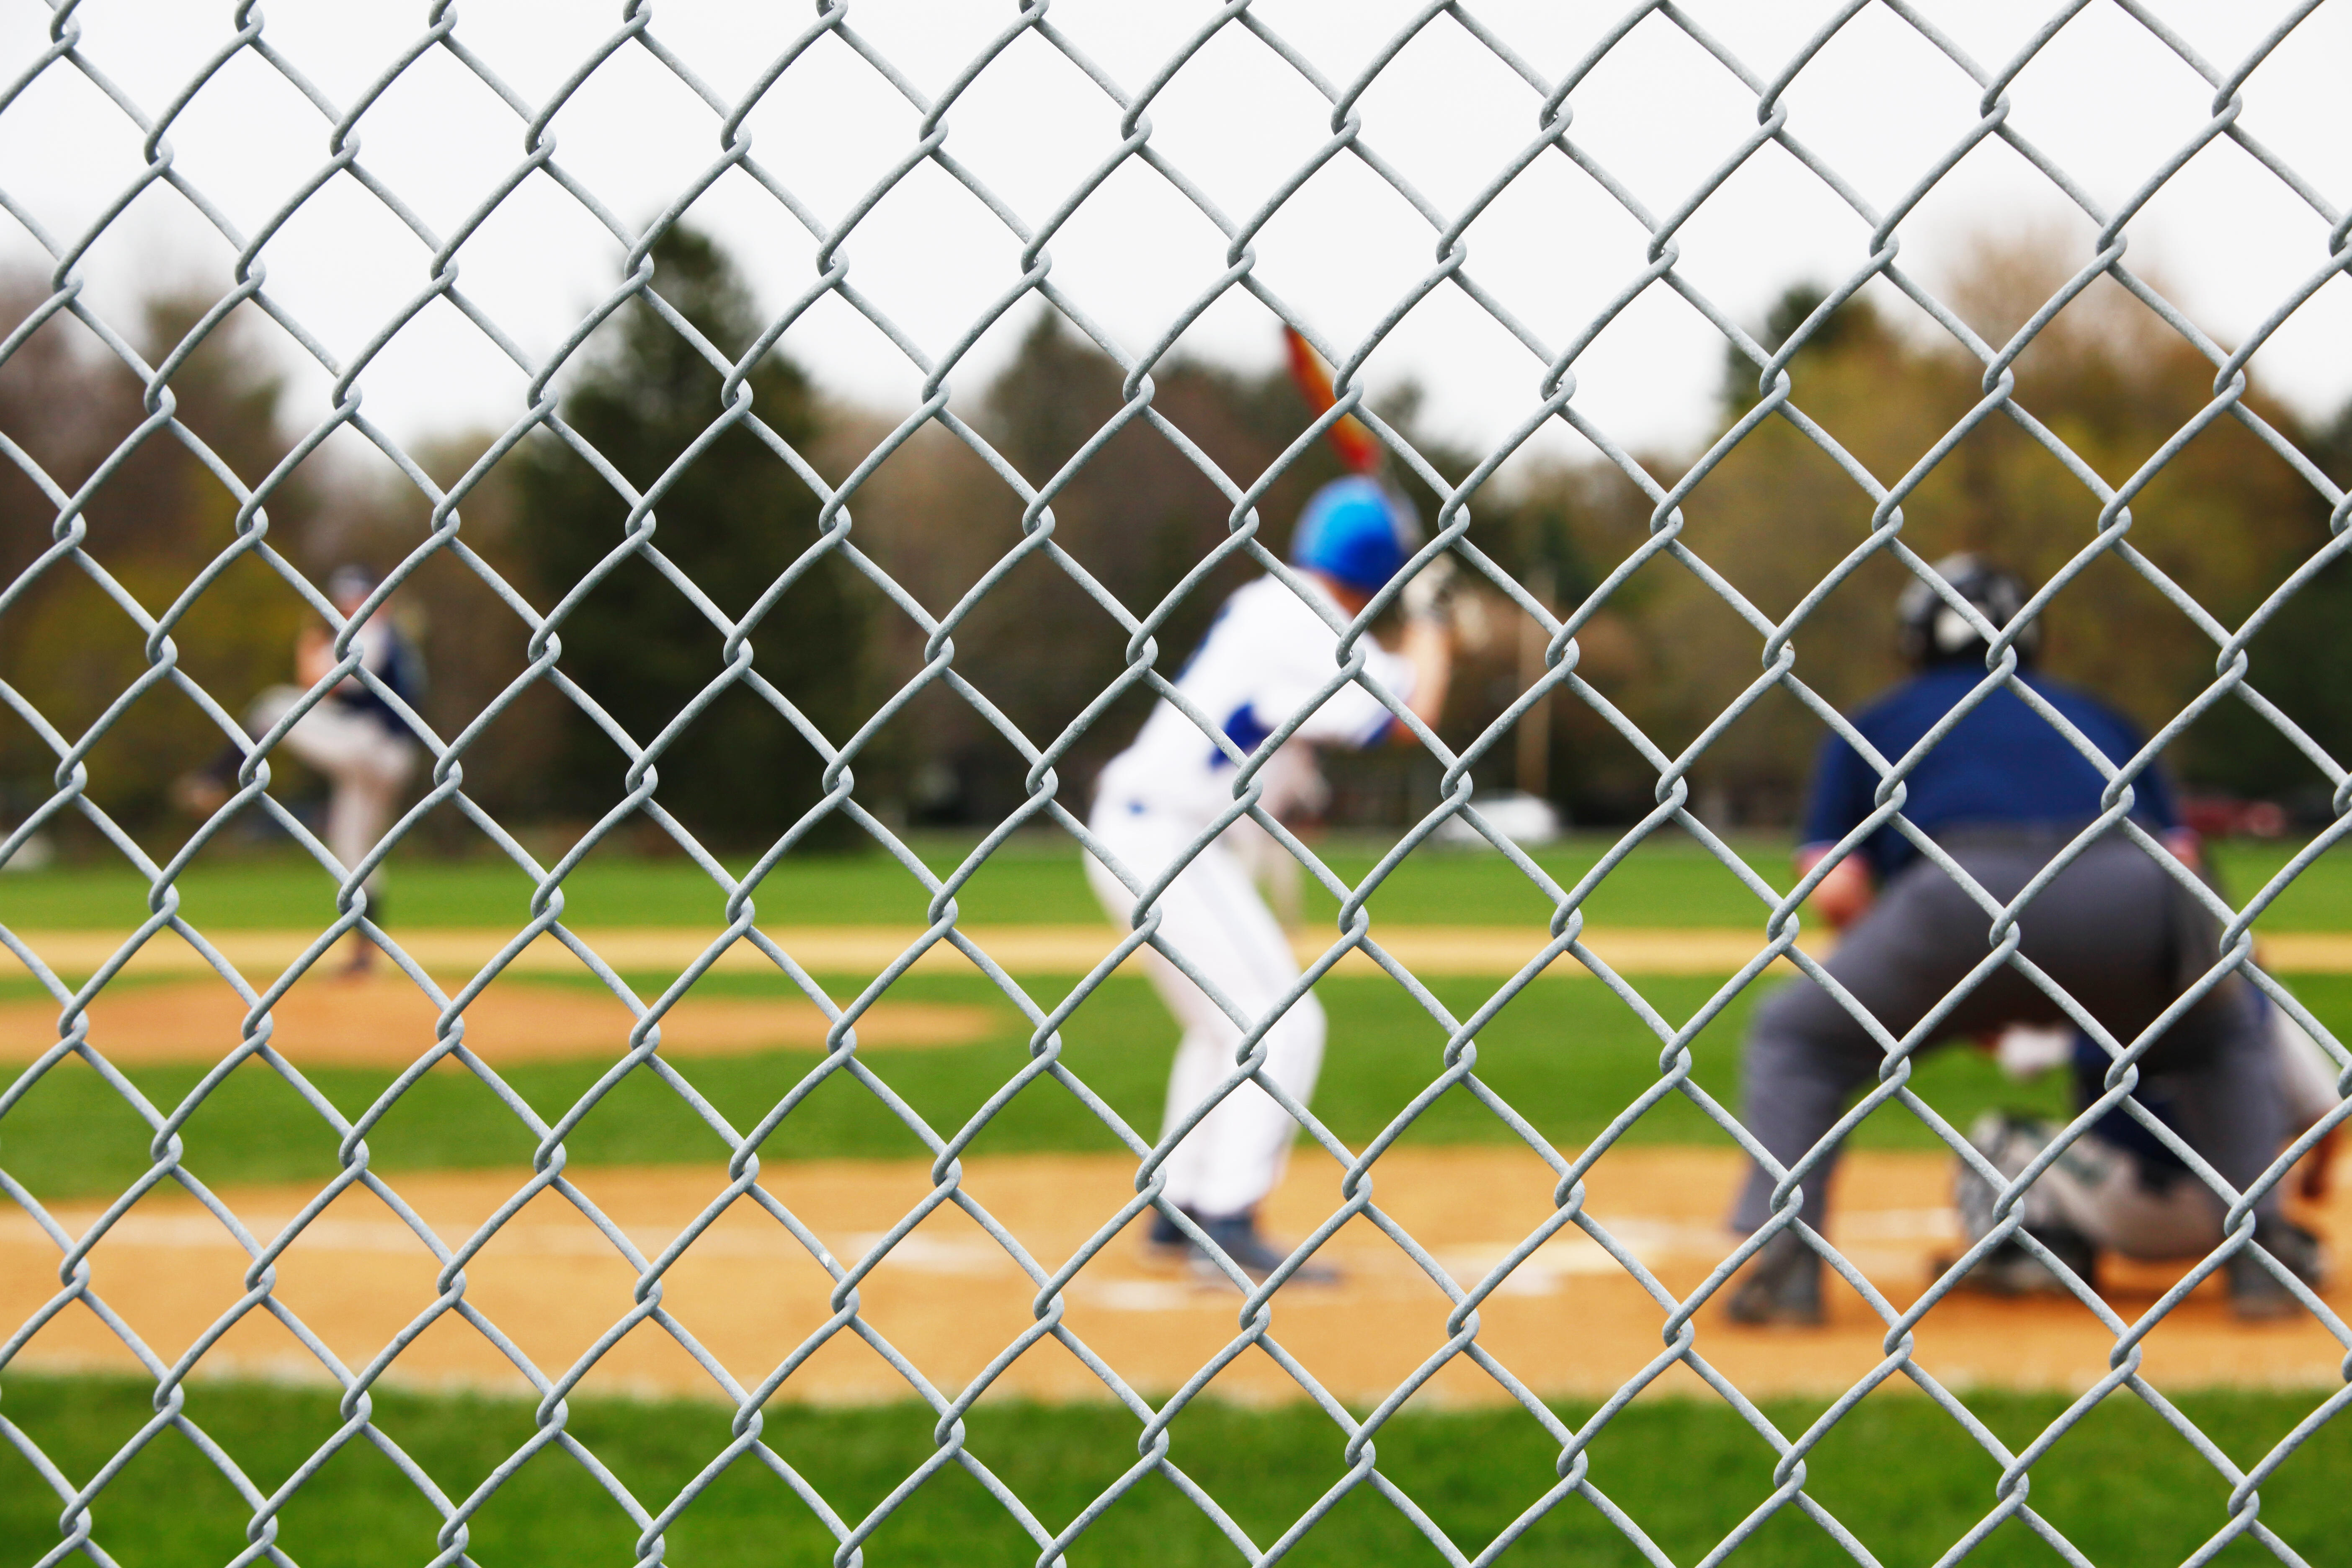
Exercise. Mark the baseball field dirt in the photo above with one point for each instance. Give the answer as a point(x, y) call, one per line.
point(1570, 1321)
point(455, 953)
point(383, 1020)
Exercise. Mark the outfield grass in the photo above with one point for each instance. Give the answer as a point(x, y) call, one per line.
point(1032, 879)
point(1896, 1471)
point(1671, 880)
point(1566, 1053)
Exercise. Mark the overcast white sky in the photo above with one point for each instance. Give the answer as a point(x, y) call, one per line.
point(2106, 99)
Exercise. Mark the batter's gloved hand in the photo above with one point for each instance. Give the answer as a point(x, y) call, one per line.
point(1429, 596)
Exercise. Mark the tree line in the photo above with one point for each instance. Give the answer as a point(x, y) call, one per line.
point(2226, 519)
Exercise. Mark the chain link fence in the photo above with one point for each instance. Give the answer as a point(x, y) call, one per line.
point(1551, 137)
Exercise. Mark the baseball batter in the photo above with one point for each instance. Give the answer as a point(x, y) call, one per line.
point(1264, 661)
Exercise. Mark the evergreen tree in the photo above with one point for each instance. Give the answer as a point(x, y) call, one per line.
point(734, 521)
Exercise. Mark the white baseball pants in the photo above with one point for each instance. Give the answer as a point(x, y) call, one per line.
point(1212, 915)
point(365, 764)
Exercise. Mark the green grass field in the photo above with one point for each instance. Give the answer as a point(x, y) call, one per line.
point(1896, 1471)
point(1671, 880)
point(1566, 1053)
point(1032, 879)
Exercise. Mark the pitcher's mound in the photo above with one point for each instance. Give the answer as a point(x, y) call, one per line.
point(381, 1020)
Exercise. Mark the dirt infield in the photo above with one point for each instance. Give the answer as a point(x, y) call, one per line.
point(1467, 950)
point(1427, 950)
point(1569, 1322)
point(385, 1021)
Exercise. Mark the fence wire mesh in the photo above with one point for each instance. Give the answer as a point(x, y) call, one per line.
point(1551, 137)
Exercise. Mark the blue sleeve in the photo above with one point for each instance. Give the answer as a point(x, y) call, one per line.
point(405, 671)
point(2152, 798)
point(2156, 798)
point(1842, 787)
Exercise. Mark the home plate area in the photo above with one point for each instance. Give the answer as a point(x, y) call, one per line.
point(1569, 1322)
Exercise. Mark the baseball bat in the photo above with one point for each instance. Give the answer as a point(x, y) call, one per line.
point(1356, 445)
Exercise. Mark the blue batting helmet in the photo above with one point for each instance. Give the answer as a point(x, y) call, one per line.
point(1354, 533)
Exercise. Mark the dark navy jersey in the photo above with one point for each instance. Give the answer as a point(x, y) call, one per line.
point(2004, 764)
point(389, 657)
point(2118, 1126)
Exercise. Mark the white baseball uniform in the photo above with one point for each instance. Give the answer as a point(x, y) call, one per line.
point(1262, 663)
point(1294, 791)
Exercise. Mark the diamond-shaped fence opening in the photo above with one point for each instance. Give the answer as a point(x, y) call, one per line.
point(664, 1092)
